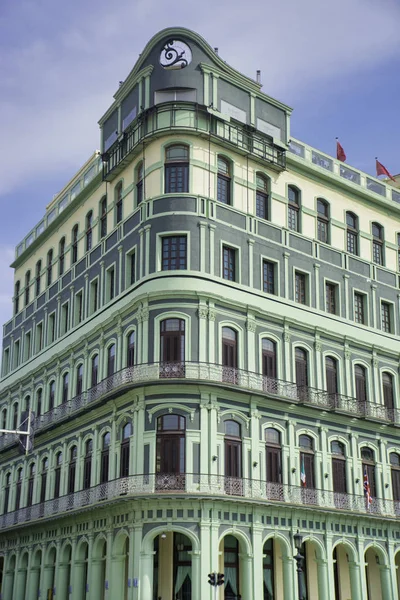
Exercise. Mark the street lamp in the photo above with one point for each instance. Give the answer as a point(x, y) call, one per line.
point(298, 543)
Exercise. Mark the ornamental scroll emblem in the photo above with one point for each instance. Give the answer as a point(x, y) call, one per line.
point(175, 55)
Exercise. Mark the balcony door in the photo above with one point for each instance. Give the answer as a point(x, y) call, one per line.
point(339, 468)
point(172, 348)
point(229, 355)
point(170, 457)
point(233, 458)
point(368, 468)
point(273, 453)
point(395, 469)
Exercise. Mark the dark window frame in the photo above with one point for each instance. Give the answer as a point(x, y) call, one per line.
point(224, 181)
point(323, 221)
point(174, 252)
point(229, 266)
point(294, 201)
point(352, 233)
point(176, 170)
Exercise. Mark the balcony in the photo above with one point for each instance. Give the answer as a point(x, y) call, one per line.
point(190, 117)
point(194, 372)
point(201, 486)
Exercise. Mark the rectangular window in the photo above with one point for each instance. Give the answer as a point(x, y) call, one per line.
point(94, 296)
point(110, 283)
point(27, 346)
point(229, 263)
point(16, 354)
point(300, 288)
point(293, 218)
point(132, 268)
point(322, 231)
point(39, 337)
point(51, 328)
point(359, 308)
point(268, 277)
point(78, 308)
point(352, 242)
point(174, 253)
point(330, 298)
point(64, 318)
point(385, 316)
point(6, 363)
point(377, 253)
point(176, 178)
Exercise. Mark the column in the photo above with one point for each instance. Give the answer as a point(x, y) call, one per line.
point(108, 594)
point(348, 380)
point(212, 248)
point(86, 308)
point(375, 379)
point(147, 91)
point(146, 575)
point(112, 448)
point(17, 578)
point(246, 585)
point(204, 435)
point(119, 345)
point(323, 589)
point(286, 273)
point(287, 362)
point(70, 323)
point(346, 313)
point(324, 462)
point(387, 591)
point(258, 572)
point(316, 283)
point(58, 316)
point(353, 487)
point(211, 334)
point(215, 91)
point(206, 565)
point(196, 581)
point(355, 584)
point(360, 545)
point(318, 363)
point(138, 433)
point(251, 344)
point(251, 260)
point(135, 548)
point(373, 304)
point(202, 312)
point(141, 253)
point(147, 250)
point(145, 335)
point(288, 568)
point(213, 435)
point(202, 249)
point(120, 269)
point(102, 283)
point(252, 109)
point(255, 444)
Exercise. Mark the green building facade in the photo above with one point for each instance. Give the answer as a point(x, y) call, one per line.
point(206, 329)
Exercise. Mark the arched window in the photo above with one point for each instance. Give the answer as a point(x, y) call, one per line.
point(395, 470)
point(89, 232)
point(79, 380)
point(224, 181)
point(176, 169)
point(73, 453)
point(94, 370)
point(388, 392)
point(231, 567)
point(268, 358)
point(323, 221)
point(61, 256)
point(105, 457)
point(4, 418)
point(331, 374)
point(172, 347)
point(49, 267)
point(103, 216)
point(229, 355)
point(269, 570)
point(15, 415)
point(57, 474)
point(338, 470)
point(18, 489)
point(377, 244)
point(111, 360)
point(87, 464)
point(139, 183)
point(65, 388)
point(39, 407)
point(170, 451)
point(130, 358)
point(118, 203)
point(307, 479)
point(74, 256)
point(126, 433)
point(368, 467)
point(27, 287)
point(273, 453)
point(293, 208)
point(361, 383)
point(52, 393)
point(6, 492)
point(233, 457)
point(27, 403)
point(43, 479)
point(38, 272)
point(352, 233)
point(262, 196)
point(301, 367)
point(31, 481)
point(16, 297)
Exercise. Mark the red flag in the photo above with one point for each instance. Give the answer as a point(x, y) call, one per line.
point(340, 153)
point(381, 170)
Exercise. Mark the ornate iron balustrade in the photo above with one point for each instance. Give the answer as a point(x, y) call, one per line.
point(189, 116)
point(211, 373)
point(200, 485)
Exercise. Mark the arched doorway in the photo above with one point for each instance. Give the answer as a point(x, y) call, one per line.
point(277, 563)
point(120, 566)
point(64, 573)
point(81, 571)
point(315, 580)
point(172, 571)
point(234, 563)
point(98, 582)
point(377, 575)
point(345, 572)
point(9, 577)
point(22, 574)
point(49, 573)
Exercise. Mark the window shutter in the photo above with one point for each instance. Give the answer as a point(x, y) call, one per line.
point(301, 372)
point(309, 469)
point(331, 381)
point(396, 484)
point(339, 475)
point(388, 395)
point(360, 389)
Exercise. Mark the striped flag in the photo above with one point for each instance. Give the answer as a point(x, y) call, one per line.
point(367, 489)
point(303, 478)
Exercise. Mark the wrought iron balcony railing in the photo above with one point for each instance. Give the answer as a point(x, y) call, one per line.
point(189, 116)
point(214, 374)
point(200, 485)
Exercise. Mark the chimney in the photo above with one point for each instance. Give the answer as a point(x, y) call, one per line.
point(216, 50)
point(258, 76)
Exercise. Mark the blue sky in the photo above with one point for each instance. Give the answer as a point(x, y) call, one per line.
point(335, 63)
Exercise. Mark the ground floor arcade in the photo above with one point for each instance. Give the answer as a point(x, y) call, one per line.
point(152, 554)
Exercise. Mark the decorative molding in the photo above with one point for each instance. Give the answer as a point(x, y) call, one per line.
point(286, 336)
point(151, 411)
point(202, 312)
point(211, 314)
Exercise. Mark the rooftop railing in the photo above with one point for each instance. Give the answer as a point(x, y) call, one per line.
point(219, 486)
point(211, 373)
point(171, 116)
point(336, 167)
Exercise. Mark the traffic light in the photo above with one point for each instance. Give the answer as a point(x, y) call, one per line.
point(211, 579)
point(220, 579)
